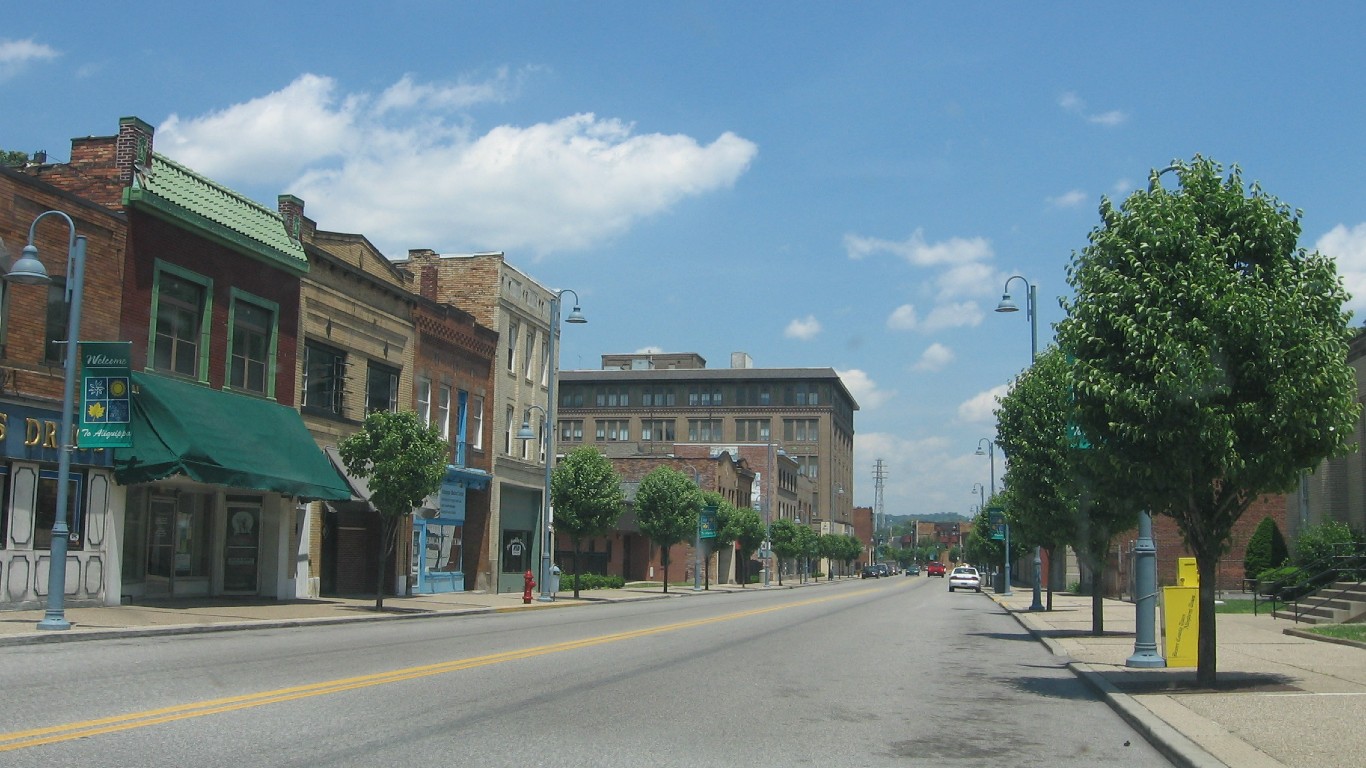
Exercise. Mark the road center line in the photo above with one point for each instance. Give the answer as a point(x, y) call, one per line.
point(84, 729)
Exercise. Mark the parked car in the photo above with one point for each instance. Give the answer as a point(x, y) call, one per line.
point(870, 572)
point(912, 570)
point(965, 577)
point(883, 570)
point(935, 569)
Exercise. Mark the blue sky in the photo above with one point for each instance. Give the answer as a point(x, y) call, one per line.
point(816, 184)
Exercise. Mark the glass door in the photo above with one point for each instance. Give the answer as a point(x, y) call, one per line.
point(161, 546)
point(241, 545)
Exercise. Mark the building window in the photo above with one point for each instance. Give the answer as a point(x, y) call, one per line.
point(180, 306)
point(571, 430)
point(571, 397)
point(704, 397)
point(802, 394)
point(613, 397)
point(808, 465)
point(530, 352)
point(58, 313)
point(752, 430)
point(381, 388)
point(475, 417)
point(613, 430)
point(657, 430)
point(424, 401)
point(324, 373)
point(545, 362)
point(514, 328)
point(658, 396)
point(511, 430)
point(443, 411)
point(801, 430)
point(252, 346)
point(704, 430)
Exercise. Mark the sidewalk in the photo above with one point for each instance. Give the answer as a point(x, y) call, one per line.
point(191, 615)
point(1281, 699)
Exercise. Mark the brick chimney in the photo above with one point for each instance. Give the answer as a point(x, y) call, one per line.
point(102, 166)
point(299, 226)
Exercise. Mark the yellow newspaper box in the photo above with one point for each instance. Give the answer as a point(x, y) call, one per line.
point(1181, 625)
point(1187, 573)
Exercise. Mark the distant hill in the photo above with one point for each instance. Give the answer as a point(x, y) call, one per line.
point(938, 517)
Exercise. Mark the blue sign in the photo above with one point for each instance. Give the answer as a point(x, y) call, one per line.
point(451, 501)
point(31, 434)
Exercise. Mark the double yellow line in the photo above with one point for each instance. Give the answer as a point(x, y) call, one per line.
point(79, 730)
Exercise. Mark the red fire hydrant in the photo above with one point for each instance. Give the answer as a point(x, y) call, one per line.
point(528, 584)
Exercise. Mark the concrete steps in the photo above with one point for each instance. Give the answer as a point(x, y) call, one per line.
point(1338, 603)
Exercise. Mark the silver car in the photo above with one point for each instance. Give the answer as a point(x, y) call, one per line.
point(965, 577)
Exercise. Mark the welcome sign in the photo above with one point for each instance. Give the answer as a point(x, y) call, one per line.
point(106, 402)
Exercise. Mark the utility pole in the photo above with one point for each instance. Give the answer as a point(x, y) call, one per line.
point(879, 475)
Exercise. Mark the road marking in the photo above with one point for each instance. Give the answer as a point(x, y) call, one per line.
point(84, 729)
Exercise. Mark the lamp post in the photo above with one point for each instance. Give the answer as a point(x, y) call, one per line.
point(1032, 311)
point(30, 271)
point(525, 433)
point(697, 538)
point(981, 491)
point(991, 453)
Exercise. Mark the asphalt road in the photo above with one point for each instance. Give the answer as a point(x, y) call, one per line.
point(888, 672)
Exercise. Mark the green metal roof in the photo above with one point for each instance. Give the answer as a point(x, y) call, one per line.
point(173, 192)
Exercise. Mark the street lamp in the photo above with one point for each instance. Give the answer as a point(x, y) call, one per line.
point(991, 453)
point(981, 491)
point(1032, 311)
point(525, 433)
point(28, 270)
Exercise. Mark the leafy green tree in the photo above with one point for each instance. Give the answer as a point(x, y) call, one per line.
point(830, 546)
point(786, 544)
point(667, 505)
point(743, 527)
point(1266, 549)
point(402, 462)
point(1051, 501)
point(1210, 358)
point(13, 158)
point(587, 495)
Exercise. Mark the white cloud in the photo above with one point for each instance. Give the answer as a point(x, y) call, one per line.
point(1347, 246)
point(1069, 199)
point(903, 318)
point(957, 315)
point(16, 55)
point(1074, 104)
point(981, 408)
point(803, 328)
point(972, 279)
point(919, 253)
point(934, 358)
point(405, 167)
point(865, 391)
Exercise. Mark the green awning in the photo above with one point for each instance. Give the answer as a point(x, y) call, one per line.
point(223, 438)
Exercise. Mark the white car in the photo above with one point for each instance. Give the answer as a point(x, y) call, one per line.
point(964, 577)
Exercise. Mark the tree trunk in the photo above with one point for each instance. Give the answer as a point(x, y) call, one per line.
point(664, 561)
point(1206, 665)
point(1052, 571)
point(1097, 604)
point(388, 527)
point(577, 547)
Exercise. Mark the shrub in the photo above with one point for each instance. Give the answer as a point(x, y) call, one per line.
point(590, 581)
point(1285, 582)
point(1317, 542)
point(1266, 549)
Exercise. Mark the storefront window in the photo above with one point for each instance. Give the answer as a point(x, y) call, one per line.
point(4, 507)
point(45, 512)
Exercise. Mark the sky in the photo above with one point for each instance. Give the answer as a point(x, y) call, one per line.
point(843, 185)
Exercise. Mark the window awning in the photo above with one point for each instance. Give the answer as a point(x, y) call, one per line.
point(222, 438)
point(476, 479)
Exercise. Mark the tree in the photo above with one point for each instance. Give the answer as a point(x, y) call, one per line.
point(402, 462)
point(1266, 549)
point(667, 505)
point(587, 495)
point(1210, 358)
point(830, 546)
point(807, 547)
point(1052, 503)
point(786, 545)
point(745, 528)
point(13, 158)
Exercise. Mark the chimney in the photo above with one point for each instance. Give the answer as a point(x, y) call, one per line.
point(427, 288)
point(299, 226)
point(132, 150)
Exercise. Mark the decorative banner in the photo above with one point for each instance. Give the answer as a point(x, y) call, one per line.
point(706, 523)
point(106, 404)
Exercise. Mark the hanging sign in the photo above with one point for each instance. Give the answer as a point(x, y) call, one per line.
point(706, 523)
point(106, 402)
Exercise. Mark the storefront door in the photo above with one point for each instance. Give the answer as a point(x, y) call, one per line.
point(177, 546)
point(241, 545)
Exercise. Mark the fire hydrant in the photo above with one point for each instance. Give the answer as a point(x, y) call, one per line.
point(528, 584)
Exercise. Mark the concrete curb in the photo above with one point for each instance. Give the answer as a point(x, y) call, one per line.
point(1323, 638)
point(1174, 745)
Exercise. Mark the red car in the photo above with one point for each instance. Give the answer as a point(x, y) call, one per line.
point(935, 569)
